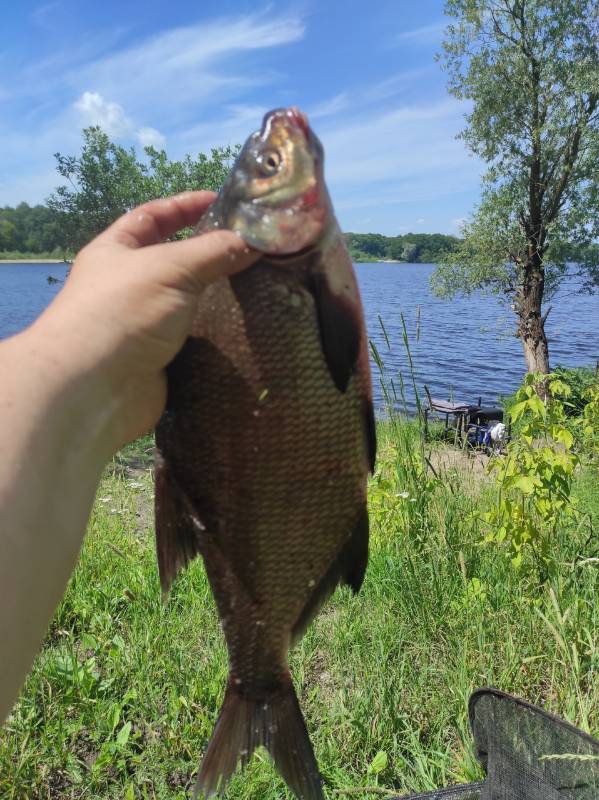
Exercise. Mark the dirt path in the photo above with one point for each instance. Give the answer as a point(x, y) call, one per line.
point(470, 465)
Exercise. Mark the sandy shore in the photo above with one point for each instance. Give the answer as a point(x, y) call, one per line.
point(32, 261)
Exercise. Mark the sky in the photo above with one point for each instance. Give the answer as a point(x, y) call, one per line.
point(188, 75)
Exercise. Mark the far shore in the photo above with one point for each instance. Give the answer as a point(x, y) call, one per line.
point(33, 261)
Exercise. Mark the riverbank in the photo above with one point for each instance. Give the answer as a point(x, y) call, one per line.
point(126, 691)
point(33, 261)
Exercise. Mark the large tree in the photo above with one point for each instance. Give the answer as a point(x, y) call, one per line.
point(105, 180)
point(530, 71)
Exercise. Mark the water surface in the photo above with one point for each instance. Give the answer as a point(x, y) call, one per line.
point(465, 348)
point(462, 348)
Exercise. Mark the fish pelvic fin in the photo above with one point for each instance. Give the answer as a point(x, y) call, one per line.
point(275, 722)
point(178, 528)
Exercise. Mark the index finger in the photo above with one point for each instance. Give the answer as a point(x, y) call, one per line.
point(153, 222)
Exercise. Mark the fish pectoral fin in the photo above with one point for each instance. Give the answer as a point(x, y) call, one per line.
point(340, 329)
point(178, 528)
point(348, 568)
point(355, 554)
point(370, 433)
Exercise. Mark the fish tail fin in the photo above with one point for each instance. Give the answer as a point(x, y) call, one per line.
point(276, 723)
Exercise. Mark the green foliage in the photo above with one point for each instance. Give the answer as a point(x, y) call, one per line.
point(579, 380)
point(58, 254)
point(166, 177)
point(415, 248)
point(530, 69)
point(105, 180)
point(28, 228)
point(591, 422)
point(126, 691)
point(534, 479)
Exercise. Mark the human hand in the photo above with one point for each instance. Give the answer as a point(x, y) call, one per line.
point(129, 302)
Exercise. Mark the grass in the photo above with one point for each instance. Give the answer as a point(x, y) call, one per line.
point(125, 692)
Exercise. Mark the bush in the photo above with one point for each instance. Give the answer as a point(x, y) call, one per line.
point(579, 380)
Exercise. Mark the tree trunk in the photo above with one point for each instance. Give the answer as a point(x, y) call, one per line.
point(531, 327)
point(534, 343)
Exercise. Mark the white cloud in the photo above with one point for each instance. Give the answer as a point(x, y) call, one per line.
point(458, 222)
point(424, 34)
point(231, 129)
point(181, 68)
point(177, 77)
point(150, 137)
point(420, 221)
point(110, 116)
point(410, 142)
point(329, 107)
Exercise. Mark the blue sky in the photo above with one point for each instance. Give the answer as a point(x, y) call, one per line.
point(191, 75)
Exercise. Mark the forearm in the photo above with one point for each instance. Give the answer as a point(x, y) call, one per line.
point(87, 377)
point(58, 435)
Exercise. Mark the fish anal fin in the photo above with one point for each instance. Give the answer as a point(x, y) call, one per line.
point(340, 327)
point(274, 721)
point(178, 528)
point(348, 568)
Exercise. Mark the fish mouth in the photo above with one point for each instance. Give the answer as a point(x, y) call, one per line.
point(286, 257)
point(291, 115)
point(300, 119)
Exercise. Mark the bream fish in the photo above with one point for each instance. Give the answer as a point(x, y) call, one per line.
point(266, 442)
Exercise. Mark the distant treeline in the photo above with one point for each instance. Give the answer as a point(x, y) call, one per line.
point(38, 230)
point(420, 248)
point(30, 230)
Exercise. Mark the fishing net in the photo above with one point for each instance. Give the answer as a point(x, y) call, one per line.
point(526, 753)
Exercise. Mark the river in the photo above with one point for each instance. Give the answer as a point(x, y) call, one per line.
point(462, 348)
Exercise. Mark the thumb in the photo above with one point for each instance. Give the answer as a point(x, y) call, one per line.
point(190, 264)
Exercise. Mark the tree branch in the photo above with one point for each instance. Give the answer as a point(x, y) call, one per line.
point(546, 314)
point(569, 160)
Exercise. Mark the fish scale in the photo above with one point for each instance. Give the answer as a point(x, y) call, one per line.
point(265, 445)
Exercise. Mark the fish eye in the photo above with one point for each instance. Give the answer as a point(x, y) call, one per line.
point(269, 162)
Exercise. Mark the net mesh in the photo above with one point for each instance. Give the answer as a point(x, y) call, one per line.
point(526, 753)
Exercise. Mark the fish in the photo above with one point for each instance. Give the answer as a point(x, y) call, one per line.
point(266, 442)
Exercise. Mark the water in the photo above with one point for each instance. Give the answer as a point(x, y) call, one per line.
point(25, 292)
point(463, 348)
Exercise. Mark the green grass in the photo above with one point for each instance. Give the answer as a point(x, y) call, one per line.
point(123, 697)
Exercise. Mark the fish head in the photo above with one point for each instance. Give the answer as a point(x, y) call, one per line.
point(275, 196)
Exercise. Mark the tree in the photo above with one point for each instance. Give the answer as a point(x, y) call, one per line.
point(7, 234)
point(28, 229)
point(106, 180)
point(530, 69)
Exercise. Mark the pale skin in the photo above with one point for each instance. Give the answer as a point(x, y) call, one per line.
point(84, 379)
